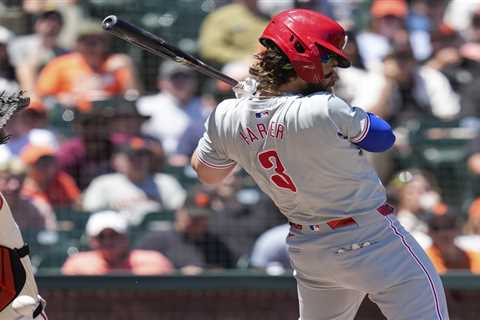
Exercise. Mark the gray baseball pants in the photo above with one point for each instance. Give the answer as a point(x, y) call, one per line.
point(336, 268)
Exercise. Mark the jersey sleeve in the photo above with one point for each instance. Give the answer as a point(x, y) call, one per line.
point(350, 122)
point(210, 150)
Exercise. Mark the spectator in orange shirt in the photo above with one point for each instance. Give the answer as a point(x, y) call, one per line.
point(445, 254)
point(89, 73)
point(108, 238)
point(470, 239)
point(27, 215)
point(45, 182)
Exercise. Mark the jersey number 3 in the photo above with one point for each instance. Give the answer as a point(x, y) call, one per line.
point(270, 159)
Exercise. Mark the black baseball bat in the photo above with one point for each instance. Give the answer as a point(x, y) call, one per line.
point(159, 47)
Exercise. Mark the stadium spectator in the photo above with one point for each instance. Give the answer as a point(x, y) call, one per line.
point(241, 213)
point(136, 190)
point(87, 154)
point(411, 91)
point(470, 239)
point(8, 78)
point(387, 31)
point(26, 213)
point(355, 83)
point(124, 119)
point(174, 107)
point(90, 73)
point(458, 14)
point(73, 12)
point(270, 251)
point(187, 242)
point(186, 145)
point(30, 53)
point(346, 13)
point(473, 164)
point(231, 32)
point(29, 127)
point(415, 196)
point(45, 181)
point(443, 251)
point(110, 253)
point(125, 123)
point(446, 57)
point(466, 74)
point(424, 18)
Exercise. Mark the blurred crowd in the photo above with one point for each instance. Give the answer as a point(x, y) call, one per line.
point(97, 168)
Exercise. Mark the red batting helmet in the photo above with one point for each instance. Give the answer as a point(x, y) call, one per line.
point(302, 35)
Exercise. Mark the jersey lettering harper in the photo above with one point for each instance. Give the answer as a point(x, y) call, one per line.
point(280, 141)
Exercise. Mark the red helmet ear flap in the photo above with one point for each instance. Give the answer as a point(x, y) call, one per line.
point(304, 58)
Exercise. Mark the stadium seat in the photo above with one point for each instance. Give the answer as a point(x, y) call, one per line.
point(441, 148)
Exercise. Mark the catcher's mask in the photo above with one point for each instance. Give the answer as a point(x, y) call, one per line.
point(307, 38)
point(12, 274)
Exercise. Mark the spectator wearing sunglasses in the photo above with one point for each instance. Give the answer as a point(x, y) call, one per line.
point(107, 234)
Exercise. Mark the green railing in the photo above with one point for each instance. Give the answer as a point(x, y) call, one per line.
point(236, 295)
point(212, 281)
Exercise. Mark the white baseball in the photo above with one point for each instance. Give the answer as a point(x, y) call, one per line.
point(24, 305)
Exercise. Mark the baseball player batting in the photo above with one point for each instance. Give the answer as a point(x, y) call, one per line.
point(304, 147)
point(19, 299)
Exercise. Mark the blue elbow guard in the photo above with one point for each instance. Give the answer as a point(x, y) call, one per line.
point(379, 136)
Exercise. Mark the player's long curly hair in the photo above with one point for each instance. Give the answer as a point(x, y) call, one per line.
point(272, 69)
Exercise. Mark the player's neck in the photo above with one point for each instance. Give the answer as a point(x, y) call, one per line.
point(295, 85)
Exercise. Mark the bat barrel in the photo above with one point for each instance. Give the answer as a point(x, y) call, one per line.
point(156, 45)
point(109, 22)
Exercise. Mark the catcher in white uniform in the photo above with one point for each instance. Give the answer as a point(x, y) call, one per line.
point(19, 299)
point(304, 147)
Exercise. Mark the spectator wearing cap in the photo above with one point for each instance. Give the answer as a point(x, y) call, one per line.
point(28, 216)
point(8, 79)
point(126, 123)
point(188, 243)
point(45, 181)
point(89, 73)
point(444, 251)
point(107, 233)
point(174, 107)
point(30, 53)
point(133, 189)
point(387, 31)
point(124, 119)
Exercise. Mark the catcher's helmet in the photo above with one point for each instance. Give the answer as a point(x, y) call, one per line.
point(302, 35)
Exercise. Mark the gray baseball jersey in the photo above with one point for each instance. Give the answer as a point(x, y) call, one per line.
point(300, 151)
